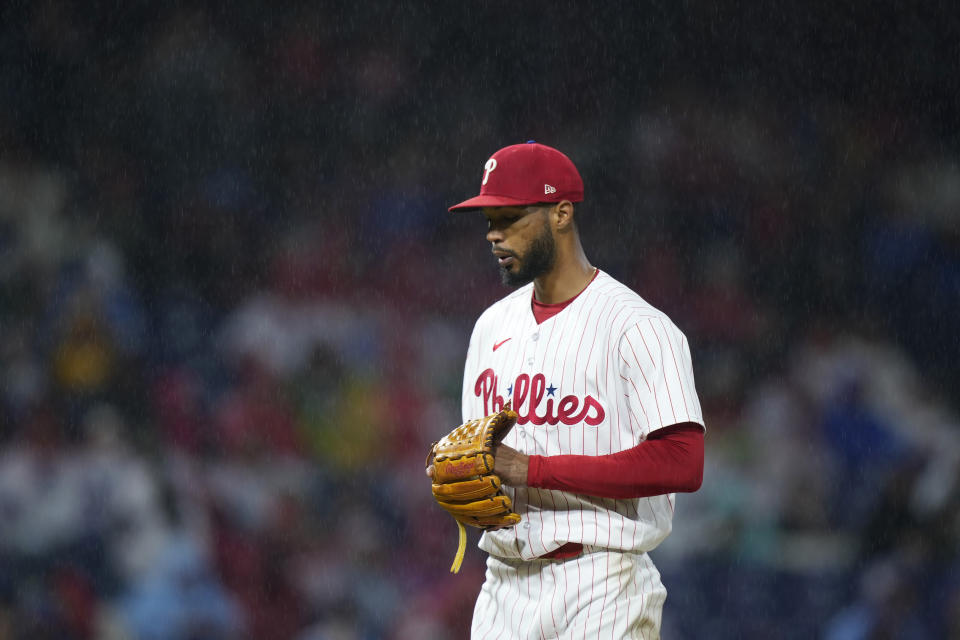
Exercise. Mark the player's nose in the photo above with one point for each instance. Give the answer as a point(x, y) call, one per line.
point(494, 236)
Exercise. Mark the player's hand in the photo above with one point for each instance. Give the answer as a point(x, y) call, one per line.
point(511, 465)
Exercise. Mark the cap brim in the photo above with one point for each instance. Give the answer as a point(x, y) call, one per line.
point(488, 200)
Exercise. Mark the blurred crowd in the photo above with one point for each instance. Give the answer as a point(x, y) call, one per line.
point(234, 312)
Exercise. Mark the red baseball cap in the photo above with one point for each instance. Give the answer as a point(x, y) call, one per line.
point(525, 174)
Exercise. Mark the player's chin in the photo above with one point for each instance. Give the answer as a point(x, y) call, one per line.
point(512, 276)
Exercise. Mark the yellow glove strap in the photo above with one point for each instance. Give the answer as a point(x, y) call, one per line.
point(461, 548)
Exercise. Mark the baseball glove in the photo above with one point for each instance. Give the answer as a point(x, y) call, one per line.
point(463, 479)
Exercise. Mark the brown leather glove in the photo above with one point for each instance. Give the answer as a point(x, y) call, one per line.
point(463, 479)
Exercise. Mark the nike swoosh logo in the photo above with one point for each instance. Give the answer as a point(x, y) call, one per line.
point(500, 344)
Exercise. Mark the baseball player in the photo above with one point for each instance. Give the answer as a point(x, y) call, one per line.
point(609, 425)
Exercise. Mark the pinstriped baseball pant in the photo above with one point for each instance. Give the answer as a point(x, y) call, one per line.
point(598, 594)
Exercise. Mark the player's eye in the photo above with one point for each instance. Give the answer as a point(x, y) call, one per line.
point(502, 221)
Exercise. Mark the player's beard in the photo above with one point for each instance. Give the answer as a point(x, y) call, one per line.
point(537, 261)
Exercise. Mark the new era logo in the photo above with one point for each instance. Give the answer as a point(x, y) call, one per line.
point(547, 189)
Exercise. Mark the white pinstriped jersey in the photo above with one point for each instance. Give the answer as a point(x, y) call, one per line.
point(594, 379)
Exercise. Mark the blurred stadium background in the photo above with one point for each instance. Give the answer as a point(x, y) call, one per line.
point(234, 309)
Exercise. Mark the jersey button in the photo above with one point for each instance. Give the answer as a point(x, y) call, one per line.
point(535, 337)
point(530, 362)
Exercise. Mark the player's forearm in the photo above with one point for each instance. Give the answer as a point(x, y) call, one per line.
point(667, 462)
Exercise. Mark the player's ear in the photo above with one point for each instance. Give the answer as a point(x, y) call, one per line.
point(561, 215)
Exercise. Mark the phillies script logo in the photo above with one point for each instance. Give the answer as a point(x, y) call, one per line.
point(528, 393)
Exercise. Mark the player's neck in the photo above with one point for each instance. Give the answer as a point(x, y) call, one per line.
point(565, 280)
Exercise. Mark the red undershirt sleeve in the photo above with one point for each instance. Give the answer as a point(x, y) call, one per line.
point(669, 460)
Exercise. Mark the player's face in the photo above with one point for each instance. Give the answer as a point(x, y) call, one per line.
point(522, 242)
